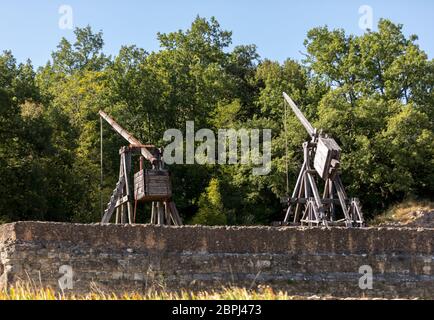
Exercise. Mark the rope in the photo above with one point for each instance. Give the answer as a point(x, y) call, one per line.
point(101, 169)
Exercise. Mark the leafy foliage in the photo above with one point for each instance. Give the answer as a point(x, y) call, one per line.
point(372, 93)
point(211, 210)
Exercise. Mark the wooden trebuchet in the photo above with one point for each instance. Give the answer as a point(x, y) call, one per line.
point(321, 159)
point(150, 185)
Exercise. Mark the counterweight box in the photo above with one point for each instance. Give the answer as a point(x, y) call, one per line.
point(150, 185)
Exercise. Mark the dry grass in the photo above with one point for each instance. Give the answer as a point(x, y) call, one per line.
point(407, 213)
point(29, 292)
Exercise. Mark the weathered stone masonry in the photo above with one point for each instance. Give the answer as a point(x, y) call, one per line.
point(299, 260)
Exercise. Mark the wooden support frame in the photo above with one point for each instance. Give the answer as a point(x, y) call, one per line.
point(321, 160)
point(163, 211)
point(307, 207)
point(121, 202)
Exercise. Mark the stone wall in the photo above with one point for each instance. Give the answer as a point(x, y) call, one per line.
point(301, 261)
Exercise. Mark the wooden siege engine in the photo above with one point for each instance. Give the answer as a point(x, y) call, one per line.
point(321, 160)
point(150, 185)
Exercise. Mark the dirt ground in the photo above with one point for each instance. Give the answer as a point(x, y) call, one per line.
point(409, 214)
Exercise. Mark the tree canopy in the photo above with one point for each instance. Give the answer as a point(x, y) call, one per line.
point(373, 93)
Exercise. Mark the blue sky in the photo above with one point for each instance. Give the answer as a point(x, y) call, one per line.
point(30, 28)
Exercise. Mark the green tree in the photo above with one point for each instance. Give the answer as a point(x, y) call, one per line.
point(372, 93)
point(211, 210)
point(74, 87)
point(85, 54)
point(35, 179)
point(381, 83)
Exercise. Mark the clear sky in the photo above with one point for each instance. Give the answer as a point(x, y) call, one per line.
point(31, 28)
